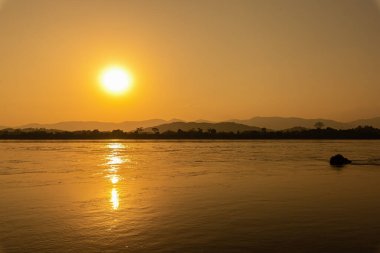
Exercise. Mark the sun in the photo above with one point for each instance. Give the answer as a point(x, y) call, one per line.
point(116, 80)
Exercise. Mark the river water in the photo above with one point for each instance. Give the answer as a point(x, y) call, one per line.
point(188, 196)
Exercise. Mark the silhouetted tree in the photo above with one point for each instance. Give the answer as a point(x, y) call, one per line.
point(319, 125)
point(361, 132)
point(156, 130)
point(211, 131)
point(138, 130)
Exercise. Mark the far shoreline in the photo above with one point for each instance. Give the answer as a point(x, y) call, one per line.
point(359, 133)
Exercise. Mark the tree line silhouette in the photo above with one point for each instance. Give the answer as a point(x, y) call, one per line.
point(366, 132)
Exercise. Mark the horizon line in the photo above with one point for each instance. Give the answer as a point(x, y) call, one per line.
point(172, 120)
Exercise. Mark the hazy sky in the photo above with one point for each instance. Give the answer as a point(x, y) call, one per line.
point(206, 59)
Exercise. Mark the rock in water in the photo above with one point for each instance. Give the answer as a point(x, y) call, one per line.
point(339, 160)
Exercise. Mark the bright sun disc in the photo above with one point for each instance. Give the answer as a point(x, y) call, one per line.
point(116, 80)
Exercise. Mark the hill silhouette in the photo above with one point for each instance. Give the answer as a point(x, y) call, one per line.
point(219, 127)
point(281, 123)
point(274, 123)
point(101, 126)
point(375, 122)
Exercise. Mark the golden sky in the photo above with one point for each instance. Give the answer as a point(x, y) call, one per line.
point(201, 59)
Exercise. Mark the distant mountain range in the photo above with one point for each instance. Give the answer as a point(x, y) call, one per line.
point(102, 126)
point(271, 123)
point(280, 123)
point(219, 127)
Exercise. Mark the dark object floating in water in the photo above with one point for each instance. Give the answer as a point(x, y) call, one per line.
point(339, 160)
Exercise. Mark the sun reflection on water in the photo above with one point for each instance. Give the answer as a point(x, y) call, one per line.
point(114, 198)
point(114, 179)
point(116, 146)
point(113, 169)
point(114, 161)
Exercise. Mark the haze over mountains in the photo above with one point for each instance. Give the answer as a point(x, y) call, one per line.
point(219, 127)
point(281, 123)
point(102, 126)
point(273, 123)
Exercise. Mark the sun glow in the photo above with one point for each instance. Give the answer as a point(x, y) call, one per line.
point(116, 80)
